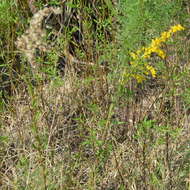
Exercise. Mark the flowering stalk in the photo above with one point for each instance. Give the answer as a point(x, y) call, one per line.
point(145, 53)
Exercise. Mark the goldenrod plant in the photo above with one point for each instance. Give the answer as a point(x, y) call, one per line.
point(139, 62)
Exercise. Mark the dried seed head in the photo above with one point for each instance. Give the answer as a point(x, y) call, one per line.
point(34, 36)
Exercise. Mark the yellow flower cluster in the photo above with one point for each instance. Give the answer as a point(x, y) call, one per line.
point(154, 47)
point(157, 42)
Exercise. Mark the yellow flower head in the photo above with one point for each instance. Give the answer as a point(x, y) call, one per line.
point(177, 28)
point(134, 55)
point(139, 78)
point(152, 70)
point(165, 36)
point(161, 53)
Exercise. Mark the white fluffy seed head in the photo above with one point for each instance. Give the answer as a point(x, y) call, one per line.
point(34, 36)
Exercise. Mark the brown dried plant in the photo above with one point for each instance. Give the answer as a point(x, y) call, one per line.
point(34, 36)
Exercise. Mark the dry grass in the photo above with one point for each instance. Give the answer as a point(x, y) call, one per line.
point(86, 130)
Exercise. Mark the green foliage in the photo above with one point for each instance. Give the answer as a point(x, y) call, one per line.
point(143, 20)
point(7, 17)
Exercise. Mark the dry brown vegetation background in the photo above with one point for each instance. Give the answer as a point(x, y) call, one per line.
point(69, 119)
